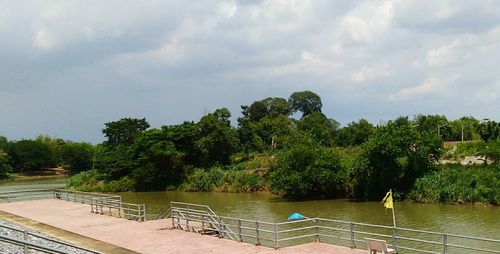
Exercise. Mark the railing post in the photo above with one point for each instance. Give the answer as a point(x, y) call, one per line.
point(394, 244)
point(25, 237)
point(317, 230)
point(187, 217)
point(172, 214)
point(276, 245)
point(239, 230)
point(353, 244)
point(202, 223)
point(257, 235)
point(445, 243)
point(144, 207)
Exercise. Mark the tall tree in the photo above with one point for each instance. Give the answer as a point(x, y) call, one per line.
point(123, 131)
point(394, 157)
point(489, 130)
point(306, 102)
point(31, 155)
point(77, 156)
point(356, 133)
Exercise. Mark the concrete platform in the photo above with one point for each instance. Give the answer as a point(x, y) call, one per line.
point(124, 236)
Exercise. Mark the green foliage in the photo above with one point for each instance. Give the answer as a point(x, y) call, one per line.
point(306, 169)
point(490, 150)
point(114, 163)
point(355, 134)
point(158, 161)
point(489, 130)
point(218, 140)
point(306, 102)
point(30, 155)
point(319, 127)
point(77, 156)
point(5, 168)
point(459, 184)
point(123, 131)
point(393, 158)
point(92, 180)
point(217, 179)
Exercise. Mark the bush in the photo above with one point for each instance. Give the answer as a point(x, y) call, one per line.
point(92, 180)
point(460, 185)
point(217, 179)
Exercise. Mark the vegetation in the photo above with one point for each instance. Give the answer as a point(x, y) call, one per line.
point(301, 156)
point(459, 185)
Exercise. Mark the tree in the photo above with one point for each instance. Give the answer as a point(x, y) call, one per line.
point(305, 169)
point(5, 168)
point(489, 130)
point(114, 163)
point(30, 155)
point(393, 158)
point(319, 127)
point(490, 150)
point(306, 102)
point(218, 140)
point(356, 133)
point(159, 163)
point(77, 156)
point(432, 123)
point(123, 131)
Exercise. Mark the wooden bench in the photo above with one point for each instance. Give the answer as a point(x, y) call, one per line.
point(375, 246)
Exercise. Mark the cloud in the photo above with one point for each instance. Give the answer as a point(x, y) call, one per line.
point(90, 62)
point(434, 85)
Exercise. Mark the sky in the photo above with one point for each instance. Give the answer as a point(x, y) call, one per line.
point(68, 67)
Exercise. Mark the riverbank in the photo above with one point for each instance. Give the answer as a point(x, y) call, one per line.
point(146, 237)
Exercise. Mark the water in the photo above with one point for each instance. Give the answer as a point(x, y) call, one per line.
point(36, 182)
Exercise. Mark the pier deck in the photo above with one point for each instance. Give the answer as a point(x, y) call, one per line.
point(154, 236)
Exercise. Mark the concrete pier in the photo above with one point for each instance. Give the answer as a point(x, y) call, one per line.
point(75, 223)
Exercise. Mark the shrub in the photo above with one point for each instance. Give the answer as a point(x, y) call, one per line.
point(459, 184)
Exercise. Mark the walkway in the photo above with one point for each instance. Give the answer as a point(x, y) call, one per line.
point(143, 237)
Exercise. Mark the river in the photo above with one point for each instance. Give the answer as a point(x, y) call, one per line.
point(465, 220)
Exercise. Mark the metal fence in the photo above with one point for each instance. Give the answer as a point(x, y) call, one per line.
point(116, 208)
point(200, 218)
point(25, 241)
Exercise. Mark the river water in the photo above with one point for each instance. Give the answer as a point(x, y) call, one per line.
point(464, 220)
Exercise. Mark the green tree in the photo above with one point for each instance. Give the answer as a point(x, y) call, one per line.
point(393, 158)
point(5, 167)
point(490, 150)
point(54, 144)
point(306, 102)
point(489, 130)
point(123, 131)
point(319, 127)
point(218, 140)
point(30, 155)
point(159, 163)
point(355, 133)
point(77, 156)
point(432, 123)
point(305, 169)
point(114, 163)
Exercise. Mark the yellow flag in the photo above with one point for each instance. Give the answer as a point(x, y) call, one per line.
point(388, 200)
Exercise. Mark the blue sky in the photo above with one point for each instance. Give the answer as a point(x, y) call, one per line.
point(67, 67)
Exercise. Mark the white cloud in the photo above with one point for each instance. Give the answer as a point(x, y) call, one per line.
point(433, 85)
point(44, 39)
point(443, 55)
point(368, 73)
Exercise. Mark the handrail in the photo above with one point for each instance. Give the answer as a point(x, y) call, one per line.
point(317, 228)
point(25, 242)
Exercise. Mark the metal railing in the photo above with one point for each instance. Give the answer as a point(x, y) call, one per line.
point(200, 218)
point(68, 195)
point(25, 242)
point(116, 208)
